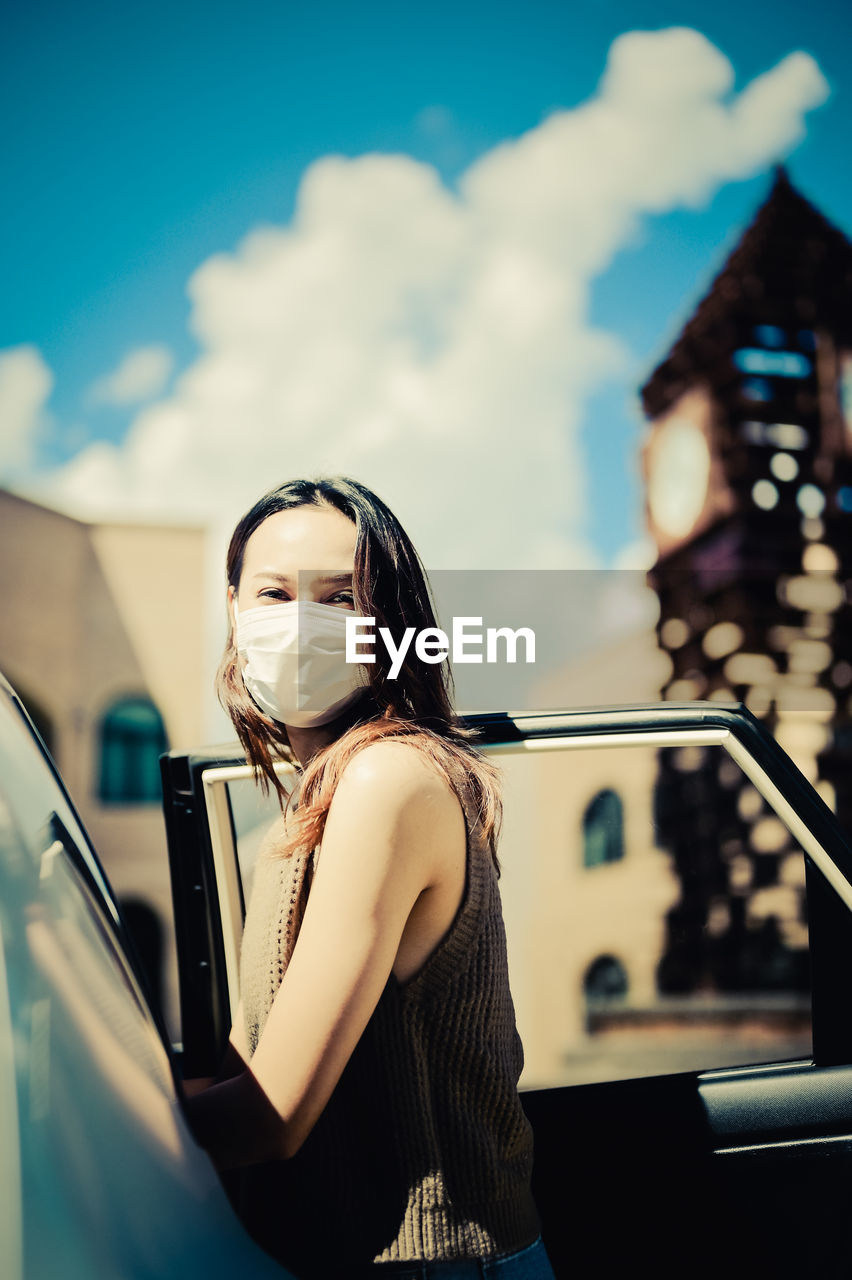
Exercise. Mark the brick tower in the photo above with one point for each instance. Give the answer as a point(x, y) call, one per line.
point(747, 463)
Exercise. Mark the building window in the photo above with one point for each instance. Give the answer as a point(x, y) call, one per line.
point(845, 390)
point(758, 389)
point(764, 495)
point(146, 930)
point(774, 364)
point(779, 435)
point(769, 335)
point(132, 738)
point(605, 980)
point(603, 830)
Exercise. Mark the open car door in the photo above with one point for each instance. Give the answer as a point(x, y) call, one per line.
point(678, 903)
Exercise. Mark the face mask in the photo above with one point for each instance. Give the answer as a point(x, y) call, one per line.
point(296, 669)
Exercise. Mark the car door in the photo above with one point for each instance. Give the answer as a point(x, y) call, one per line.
point(99, 1174)
point(677, 898)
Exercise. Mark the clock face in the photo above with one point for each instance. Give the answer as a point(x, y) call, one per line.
point(679, 476)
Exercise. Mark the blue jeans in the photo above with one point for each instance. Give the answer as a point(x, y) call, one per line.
point(529, 1263)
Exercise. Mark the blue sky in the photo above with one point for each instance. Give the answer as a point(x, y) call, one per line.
point(142, 140)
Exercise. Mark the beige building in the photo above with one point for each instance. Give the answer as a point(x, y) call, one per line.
point(576, 916)
point(587, 888)
point(102, 637)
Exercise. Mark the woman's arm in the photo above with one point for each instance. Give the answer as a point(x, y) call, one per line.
point(391, 816)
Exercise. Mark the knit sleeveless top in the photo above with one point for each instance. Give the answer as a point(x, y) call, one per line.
point(423, 1150)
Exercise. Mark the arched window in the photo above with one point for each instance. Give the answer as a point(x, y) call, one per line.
point(605, 980)
point(132, 738)
point(603, 829)
point(146, 931)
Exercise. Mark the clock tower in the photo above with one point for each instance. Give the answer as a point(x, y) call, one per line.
point(747, 464)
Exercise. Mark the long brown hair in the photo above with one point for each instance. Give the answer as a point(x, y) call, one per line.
point(390, 585)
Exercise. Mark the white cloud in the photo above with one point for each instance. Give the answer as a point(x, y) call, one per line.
point(437, 345)
point(25, 385)
point(140, 375)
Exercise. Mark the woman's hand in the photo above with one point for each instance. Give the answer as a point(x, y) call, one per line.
point(196, 1084)
point(235, 1123)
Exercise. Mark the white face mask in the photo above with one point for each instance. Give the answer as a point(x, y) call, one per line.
point(296, 669)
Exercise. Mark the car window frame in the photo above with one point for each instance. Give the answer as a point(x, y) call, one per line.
point(223, 841)
point(827, 852)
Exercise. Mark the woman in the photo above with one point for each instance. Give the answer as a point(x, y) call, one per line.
point(368, 1101)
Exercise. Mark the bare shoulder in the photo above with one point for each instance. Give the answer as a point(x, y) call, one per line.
point(401, 773)
point(394, 759)
point(396, 820)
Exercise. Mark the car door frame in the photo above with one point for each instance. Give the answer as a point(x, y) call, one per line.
point(207, 894)
point(691, 1119)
